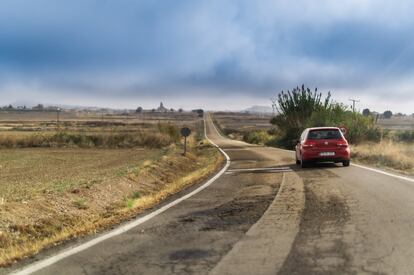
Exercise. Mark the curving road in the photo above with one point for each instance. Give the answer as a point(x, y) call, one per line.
point(265, 216)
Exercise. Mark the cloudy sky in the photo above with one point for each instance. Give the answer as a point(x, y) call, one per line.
point(213, 54)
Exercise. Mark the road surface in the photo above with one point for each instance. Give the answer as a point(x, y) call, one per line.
point(266, 216)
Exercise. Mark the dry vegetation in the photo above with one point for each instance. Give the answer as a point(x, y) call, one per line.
point(240, 125)
point(386, 154)
point(52, 194)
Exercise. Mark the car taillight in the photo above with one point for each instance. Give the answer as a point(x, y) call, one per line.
point(309, 144)
point(342, 143)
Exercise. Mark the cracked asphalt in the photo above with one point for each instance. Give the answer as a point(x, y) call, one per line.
point(354, 221)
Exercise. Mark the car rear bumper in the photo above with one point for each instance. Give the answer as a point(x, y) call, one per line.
point(314, 156)
point(326, 159)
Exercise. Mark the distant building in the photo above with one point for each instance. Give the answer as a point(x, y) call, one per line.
point(162, 109)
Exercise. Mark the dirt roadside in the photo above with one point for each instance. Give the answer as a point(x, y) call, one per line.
point(48, 220)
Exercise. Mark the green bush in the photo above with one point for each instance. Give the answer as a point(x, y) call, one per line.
point(404, 136)
point(257, 137)
point(301, 108)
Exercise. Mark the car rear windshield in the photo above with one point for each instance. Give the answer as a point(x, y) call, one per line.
point(325, 134)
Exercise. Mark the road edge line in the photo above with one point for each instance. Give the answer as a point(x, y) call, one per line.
point(372, 169)
point(31, 268)
point(382, 172)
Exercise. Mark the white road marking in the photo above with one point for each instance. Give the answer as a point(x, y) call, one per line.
point(258, 169)
point(366, 168)
point(265, 171)
point(124, 228)
point(383, 172)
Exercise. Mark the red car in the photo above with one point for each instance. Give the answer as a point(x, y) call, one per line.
point(322, 144)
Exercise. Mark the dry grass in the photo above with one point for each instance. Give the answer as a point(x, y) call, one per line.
point(49, 216)
point(388, 154)
point(29, 173)
point(162, 135)
point(72, 187)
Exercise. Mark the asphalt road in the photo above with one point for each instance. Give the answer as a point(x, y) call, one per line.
point(266, 216)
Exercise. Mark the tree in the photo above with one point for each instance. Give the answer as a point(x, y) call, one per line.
point(296, 106)
point(172, 110)
point(180, 110)
point(139, 110)
point(302, 108)
point(38, 107)
point(366, 112)
point(387, 114)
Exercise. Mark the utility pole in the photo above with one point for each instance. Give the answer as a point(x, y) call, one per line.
point(353, 103)
point(274, 105)
point(57, 116)
point(353, 111)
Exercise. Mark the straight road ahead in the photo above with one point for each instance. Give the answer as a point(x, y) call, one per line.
point(266, 216)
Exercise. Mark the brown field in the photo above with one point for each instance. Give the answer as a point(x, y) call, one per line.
point(90, 121)
point(54, 193)
point(236, 124)
point(395, 123)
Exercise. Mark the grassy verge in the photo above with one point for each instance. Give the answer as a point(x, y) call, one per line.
point(386, 154)
point(50, 195)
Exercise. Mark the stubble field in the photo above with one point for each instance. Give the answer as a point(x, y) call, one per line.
point(87, 172)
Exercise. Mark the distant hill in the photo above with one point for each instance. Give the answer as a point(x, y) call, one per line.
point(259, 109)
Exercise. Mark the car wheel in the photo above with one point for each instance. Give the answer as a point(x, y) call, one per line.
point(346, 163)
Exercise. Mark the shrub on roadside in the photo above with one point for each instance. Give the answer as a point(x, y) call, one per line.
point(404, 136)
point(257, 137)
point(165, 135)
point(302, 108)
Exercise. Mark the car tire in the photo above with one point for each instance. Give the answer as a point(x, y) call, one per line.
point(346, 163)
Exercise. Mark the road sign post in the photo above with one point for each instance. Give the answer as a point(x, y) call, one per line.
point(185, 132)
point(58, 117)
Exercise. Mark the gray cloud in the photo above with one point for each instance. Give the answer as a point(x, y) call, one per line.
point(118, 51)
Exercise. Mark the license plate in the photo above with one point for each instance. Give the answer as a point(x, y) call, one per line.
point(327, 154)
